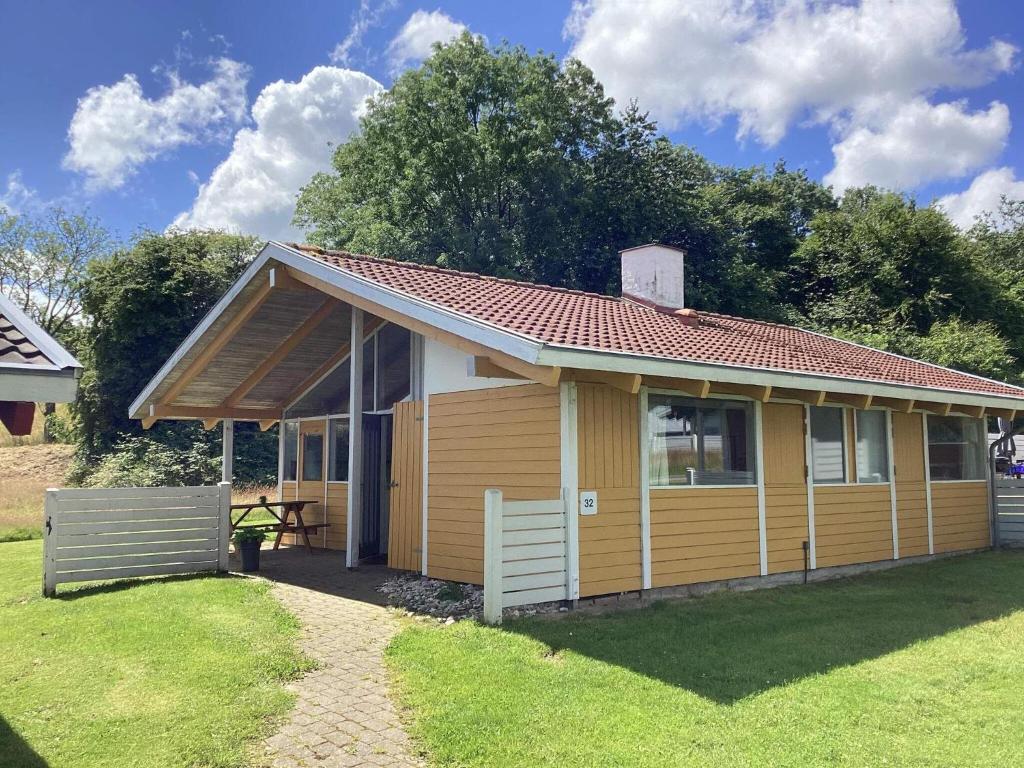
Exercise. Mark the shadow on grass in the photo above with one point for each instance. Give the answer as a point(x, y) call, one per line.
point(69, 592)
point(728, 646)
point(15, 751)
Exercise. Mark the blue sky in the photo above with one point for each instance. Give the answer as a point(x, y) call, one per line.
point(148, 113)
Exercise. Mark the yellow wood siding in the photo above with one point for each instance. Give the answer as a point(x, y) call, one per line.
point(336, 537)
point(405, 523)
point(852, 524)
point(311, 489)
point(505, 438)
point(609, 463)
point(960, 516)
point(911, 498)
point(703, 534)
point(785, 486)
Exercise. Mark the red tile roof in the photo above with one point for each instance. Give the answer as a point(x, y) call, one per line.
point(603, 323)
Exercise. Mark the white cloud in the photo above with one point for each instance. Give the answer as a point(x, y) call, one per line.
point(983, 196)
point(253, 190)
point(116, 129)
point(16, 197)
point(918, 143)
point(772, 65)
point(366, 16)
point(415, 39)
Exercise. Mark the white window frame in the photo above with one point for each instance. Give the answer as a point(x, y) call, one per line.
point(330, 446)
point(886, 444)
point(846, 448)
point(284, 423)
point(752, 441)
point(928, 450)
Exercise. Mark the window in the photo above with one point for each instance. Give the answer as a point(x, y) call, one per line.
point(369, 363)
point(291, 451)
point(386, 377)
point(313, 456)
point(394, 344)
point(956, 448)
point(699, 443)
point(828, 448)
point(337, 446)
point(872, 447)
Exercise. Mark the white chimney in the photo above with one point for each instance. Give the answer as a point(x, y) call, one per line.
point(653, 275)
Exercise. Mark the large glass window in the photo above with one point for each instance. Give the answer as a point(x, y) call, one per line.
point(393, 349)
point(337, 446)
point(369, 363)
point(329, 396)
point(291, 451)
point(386, 377)
point(699, 443)
point(313, 456)
point(956, 448)
point(828, 448)
point(872, 447)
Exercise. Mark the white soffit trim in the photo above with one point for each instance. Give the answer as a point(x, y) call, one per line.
point(604, 360)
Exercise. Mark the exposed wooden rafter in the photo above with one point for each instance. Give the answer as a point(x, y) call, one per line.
point(483, 367)
point(857, 401)
point(546, 375)
point(271, 361)
point(693, 387)
point(896, 404)
point(974, 411)
point(213, 348)
point(266, 424)
point(762, 392)
point(1002, 413)
point(627, 382)
point(205, 413)
point(328, 365)
point(809, 396)
point(209, 424)
point(940, 409)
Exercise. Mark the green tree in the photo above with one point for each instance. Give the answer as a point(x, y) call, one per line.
point(472, 161)
point(43, 260)
point(140, 303)
point(881, 262)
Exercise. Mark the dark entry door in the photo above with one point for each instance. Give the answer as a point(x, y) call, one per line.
point(373, 539)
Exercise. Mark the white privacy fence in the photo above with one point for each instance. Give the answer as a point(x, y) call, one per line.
point(1009, 499)
point(524, 553)
point(115, 533)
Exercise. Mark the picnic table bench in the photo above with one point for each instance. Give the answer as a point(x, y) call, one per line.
point(282, 526)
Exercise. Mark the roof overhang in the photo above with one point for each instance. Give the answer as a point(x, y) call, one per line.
point(513, 347)
point(602, 360)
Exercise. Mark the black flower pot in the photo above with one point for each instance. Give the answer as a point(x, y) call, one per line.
point(250, 553)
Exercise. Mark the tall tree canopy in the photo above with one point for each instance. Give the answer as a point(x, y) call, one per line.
point(509, 164)
point(140, 303)
point(43, 260)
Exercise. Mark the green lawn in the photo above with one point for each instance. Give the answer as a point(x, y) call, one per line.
point(176, 672)
point(918, 666)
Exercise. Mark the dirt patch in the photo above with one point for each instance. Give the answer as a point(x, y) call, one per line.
point(28, 470)
point(49, 461)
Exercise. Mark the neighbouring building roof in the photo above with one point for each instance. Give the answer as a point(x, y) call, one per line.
point(586, 321)
point(33, 366)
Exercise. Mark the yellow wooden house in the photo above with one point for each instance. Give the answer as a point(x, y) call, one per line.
point(687, 447)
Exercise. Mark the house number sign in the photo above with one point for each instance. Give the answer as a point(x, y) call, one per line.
point(588, 502)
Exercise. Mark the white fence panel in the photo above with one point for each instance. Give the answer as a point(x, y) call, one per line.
point(524, 553)
point(1010, 511)
point(93, 534)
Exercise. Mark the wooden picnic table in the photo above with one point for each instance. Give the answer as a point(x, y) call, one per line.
point(282, 526)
